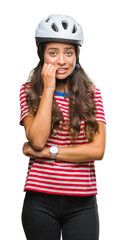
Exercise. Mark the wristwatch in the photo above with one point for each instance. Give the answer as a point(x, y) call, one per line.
point(53, 151)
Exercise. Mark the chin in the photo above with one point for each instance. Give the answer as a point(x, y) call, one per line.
point(63, 76)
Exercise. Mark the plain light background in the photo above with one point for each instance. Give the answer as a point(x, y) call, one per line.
point(103, 56)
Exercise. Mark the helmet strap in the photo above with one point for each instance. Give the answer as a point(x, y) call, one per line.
point(65, 95)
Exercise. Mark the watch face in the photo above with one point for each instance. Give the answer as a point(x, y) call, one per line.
point(54, 149)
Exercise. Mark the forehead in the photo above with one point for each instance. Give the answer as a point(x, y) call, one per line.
point(59, 45)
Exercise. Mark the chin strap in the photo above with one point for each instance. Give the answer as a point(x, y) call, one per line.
point(65, 95)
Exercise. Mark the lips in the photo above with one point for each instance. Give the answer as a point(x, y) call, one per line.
point(61, 70)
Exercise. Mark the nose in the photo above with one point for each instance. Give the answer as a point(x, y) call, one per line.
point(61, 59)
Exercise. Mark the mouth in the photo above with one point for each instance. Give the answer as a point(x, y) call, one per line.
point(61, 70)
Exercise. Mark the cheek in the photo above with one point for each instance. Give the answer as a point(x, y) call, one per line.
point(72, 63)
point(47, 59)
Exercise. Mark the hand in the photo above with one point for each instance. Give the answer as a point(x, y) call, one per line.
point(28, 150)
point(49, 76)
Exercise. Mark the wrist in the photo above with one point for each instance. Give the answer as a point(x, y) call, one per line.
point(48, 91)
point(53, 150)
point(44, 153)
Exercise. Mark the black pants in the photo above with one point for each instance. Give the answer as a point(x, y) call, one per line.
point(45, 215)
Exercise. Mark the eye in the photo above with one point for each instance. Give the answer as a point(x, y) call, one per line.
point(69, 53)
point(52, 53)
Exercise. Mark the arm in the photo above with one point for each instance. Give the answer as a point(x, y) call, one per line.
point(38, 128)
point(86, 152)
point(80, 153)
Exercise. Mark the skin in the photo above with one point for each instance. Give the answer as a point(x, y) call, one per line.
point(59, 62)
point(80, 153)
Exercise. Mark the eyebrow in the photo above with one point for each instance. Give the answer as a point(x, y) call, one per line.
point(67, 48)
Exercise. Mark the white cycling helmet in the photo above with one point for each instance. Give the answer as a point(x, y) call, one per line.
point(59, 28)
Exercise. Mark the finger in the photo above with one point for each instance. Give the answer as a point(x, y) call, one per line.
point(25, 145)
point(55, 68)
point(45, 67)
point(26, 153)
point(51, 70)
point(48, 67)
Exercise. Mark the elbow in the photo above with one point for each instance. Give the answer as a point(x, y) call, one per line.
point(100, 154)
point(36, 143)
point(38, 146)
point(100, 157)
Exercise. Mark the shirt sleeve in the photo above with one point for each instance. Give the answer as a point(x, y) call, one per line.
point(23, 105)
point(100, 114)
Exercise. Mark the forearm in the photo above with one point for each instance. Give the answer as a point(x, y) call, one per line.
point(91, 151)
point(39, 130)
point(81, 153)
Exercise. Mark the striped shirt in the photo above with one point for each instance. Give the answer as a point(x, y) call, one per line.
point(61, 177)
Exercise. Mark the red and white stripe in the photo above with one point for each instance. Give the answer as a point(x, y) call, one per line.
point(62, 177)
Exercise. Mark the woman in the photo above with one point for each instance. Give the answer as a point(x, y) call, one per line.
point(64, 121)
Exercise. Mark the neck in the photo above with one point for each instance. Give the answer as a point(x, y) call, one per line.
point(60, 86)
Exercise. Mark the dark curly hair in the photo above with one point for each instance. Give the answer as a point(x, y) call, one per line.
point(81, 100)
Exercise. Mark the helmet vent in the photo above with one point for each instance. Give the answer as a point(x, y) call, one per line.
point(74, 29)
point(47, 20)
point(65, 24)
point(54, 27)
